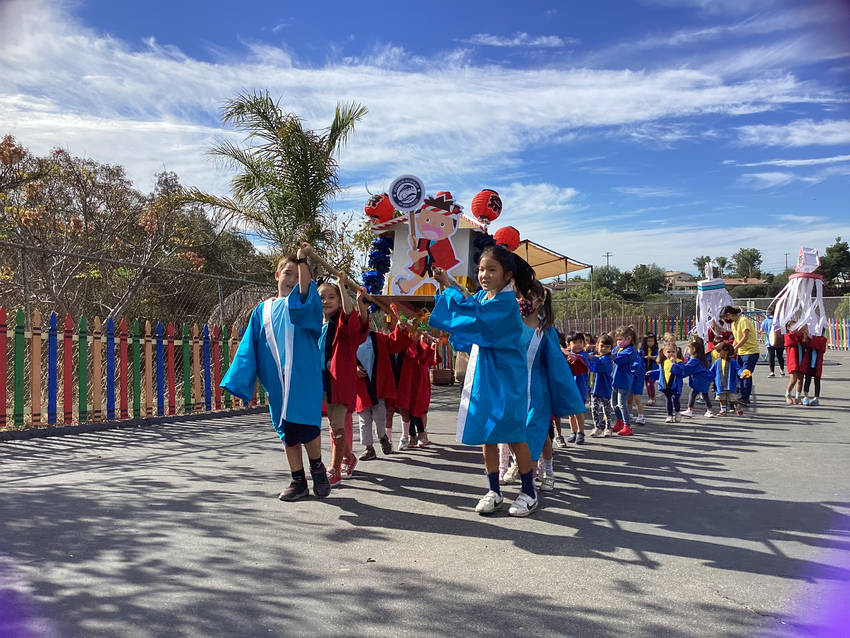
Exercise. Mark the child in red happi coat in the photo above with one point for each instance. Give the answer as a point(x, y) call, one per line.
point(376, 384)
point(420, 397)
point(342, 332)
point(814, 368)
point(796, 356)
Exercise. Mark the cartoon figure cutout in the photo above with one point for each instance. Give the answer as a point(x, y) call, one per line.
point(431, 229)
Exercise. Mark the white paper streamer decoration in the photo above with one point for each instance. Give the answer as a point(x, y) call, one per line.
point(800, 302)
point(712, 297)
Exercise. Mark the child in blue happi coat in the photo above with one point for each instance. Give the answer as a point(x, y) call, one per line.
point(494, 400)
point(699, 378)
point(552, 389)
point(280, 348)
point(602, 368)
point(579, 360)
point(669, 377)
point(638, 384)
point(726, 371)
point(624, 356)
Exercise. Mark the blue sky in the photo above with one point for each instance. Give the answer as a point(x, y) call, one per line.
point(657, 130)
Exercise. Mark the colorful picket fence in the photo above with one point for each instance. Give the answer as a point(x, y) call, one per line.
point(112, 372)
point(838, 334)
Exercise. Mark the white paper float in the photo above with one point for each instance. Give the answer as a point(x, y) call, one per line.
point(800, 302)
point(712, 297)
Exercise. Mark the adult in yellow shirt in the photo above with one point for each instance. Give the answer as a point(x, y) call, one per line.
point(746, 344)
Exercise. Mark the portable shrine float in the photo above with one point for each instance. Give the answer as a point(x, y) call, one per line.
point(415, 232)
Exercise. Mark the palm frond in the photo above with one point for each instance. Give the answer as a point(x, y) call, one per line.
point(345, 117)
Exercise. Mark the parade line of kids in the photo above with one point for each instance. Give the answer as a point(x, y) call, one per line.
point(315, 350)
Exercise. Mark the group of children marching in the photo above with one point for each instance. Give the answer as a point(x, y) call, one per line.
point(312, 347)
point(620, 373)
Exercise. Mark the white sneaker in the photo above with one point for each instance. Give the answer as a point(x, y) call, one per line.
point(709, 414)
point(688, 412)
point(607, 432)
point(512, 474)
point(669, 419)
point(771, 375)
point(640, 419)
point(782, 373)
point(402, 443)
point(678, 418)
point(596, 432)
point(651, 402)
point(523, 505)
point(547, 484)
point(489, 503)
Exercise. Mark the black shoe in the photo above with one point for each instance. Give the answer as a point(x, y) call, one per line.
point(321, 484)
point(368, 454)
point(744, 402)
point(386, 446)
point(296, 490)
point(572, 438)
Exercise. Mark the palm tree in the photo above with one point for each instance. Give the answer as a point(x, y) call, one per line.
point(284, 183)
point(721, 262)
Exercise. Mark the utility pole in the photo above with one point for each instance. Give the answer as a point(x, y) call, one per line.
point(607, 259)
point(786, 261)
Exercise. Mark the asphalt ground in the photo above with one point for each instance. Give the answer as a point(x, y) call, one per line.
point(726, 527)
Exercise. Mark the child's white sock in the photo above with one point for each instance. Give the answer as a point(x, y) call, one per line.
point(548, 467)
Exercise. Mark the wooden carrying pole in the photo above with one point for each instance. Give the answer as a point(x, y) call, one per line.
point(351, 284)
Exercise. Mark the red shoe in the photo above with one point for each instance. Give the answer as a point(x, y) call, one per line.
point(348, 467)
point(625, 431)
point(333, 477)
point(619, 425)
point(740, 412)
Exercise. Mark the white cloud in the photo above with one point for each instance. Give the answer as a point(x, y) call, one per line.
point(648, 191)
point(758, 24)
point(519, 39)
point(156, 106)
point(791, 163)
point(803, 219)
point(797, 133)
point(768, 180)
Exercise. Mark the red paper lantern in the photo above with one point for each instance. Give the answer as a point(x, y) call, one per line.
point(487, 206)
point(507, 237)
point(379, 209)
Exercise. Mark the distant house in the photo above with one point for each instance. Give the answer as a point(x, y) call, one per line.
point(679, 282)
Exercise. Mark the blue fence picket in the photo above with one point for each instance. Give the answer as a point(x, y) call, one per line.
point(52, 358)
point(207, 371)
point(110, 369)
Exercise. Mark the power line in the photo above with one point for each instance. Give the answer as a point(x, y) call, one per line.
point(607, 259)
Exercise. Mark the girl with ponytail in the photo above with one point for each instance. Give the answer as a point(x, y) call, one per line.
point(551, 386)
point(494, 401)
